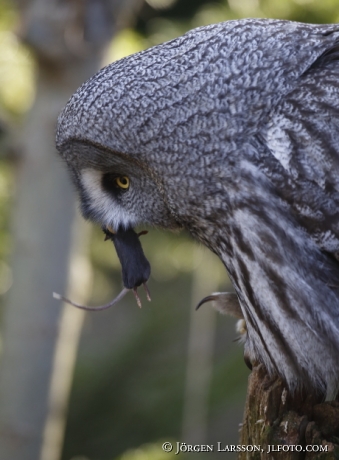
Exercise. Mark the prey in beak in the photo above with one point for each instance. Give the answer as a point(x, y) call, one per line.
point(135, 267)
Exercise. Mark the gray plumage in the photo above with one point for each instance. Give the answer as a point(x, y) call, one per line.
point(232, 132)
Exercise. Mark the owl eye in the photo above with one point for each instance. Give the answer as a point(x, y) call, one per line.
point(122, 182)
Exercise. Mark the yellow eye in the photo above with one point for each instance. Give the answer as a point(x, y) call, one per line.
point(122, 182)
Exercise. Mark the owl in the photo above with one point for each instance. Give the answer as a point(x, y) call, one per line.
point(232, 133)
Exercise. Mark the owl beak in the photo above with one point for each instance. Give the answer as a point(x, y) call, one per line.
point(109, 232)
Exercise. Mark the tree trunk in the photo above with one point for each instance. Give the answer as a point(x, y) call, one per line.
point(285, 426)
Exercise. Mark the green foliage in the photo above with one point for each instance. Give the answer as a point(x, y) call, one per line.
point(16, 66)
point(184, 15)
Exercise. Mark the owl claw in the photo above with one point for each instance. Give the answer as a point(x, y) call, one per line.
point(226, 303)
point(248, 361)
point(209, 298)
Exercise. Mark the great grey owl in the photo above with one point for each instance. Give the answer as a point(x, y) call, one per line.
point(231, 132)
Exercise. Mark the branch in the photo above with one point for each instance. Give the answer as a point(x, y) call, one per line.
point(274, 417)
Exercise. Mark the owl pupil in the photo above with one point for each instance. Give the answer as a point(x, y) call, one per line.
point(122, 182)
point(111, 183)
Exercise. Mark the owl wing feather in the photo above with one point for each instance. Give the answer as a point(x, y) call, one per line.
point(302, 140)
point(288, 284)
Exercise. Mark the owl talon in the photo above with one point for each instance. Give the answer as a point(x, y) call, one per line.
point(209, 298)
point(248, 361)
point(226, 303)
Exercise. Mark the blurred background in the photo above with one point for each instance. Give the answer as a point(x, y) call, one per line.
point(119, 383)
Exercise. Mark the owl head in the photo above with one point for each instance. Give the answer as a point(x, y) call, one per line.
point(146, 138)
